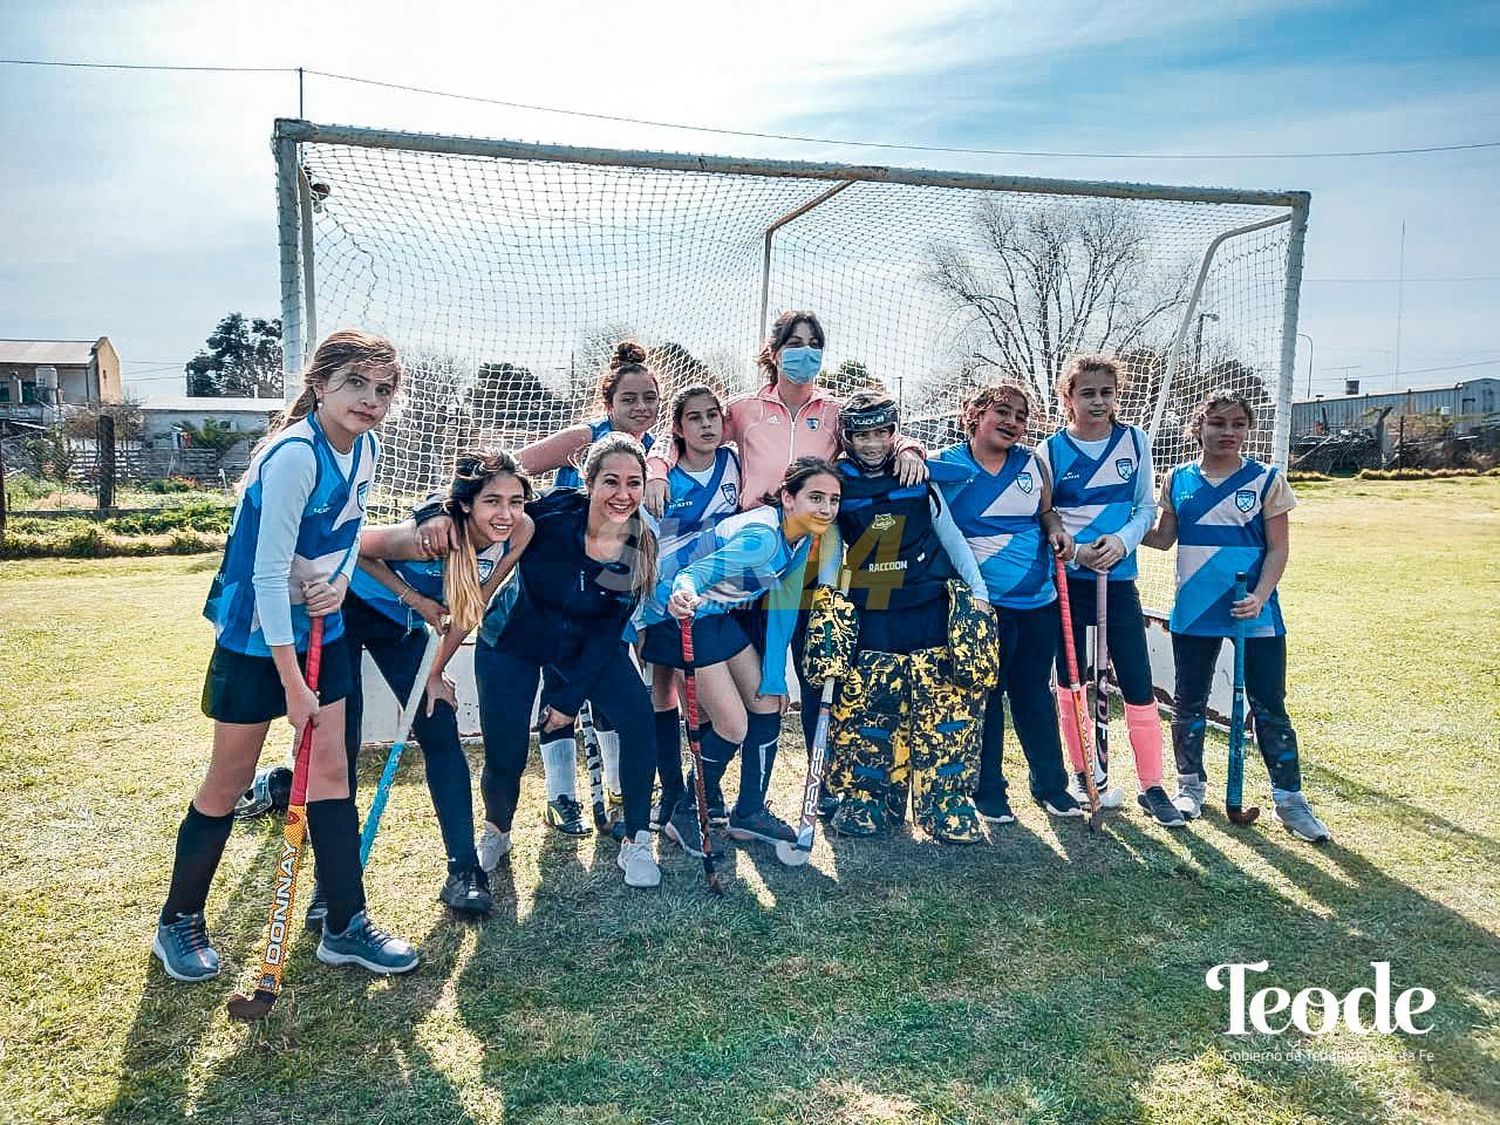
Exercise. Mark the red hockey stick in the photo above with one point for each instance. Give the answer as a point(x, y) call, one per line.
point(1076, 690)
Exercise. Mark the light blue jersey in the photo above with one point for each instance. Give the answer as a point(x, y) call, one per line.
point(1220, 532)
point(1103, 488)
point(318, 518)
point(1000, 517)
point(698, 501)
point(425, 576)
point(731, 565)
point(570, 476)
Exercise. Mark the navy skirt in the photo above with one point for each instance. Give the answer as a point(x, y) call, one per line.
point(716, 638)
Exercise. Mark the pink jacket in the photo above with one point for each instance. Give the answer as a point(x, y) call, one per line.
point(770, 439)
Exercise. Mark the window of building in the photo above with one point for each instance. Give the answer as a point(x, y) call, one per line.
point(28, 393)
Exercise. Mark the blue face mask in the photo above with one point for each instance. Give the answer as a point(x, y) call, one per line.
point(801, 365)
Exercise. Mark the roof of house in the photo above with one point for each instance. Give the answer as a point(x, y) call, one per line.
point(1403, 392)
point(202, 404)
point(58, 353)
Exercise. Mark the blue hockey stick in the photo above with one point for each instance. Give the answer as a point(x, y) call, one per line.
point(393, 760)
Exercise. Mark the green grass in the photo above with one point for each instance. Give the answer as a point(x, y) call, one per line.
point(1049, 977)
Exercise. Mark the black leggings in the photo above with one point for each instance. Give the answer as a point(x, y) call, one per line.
point(1028, 642)
point(507, 689)
point(397, 653)
point(1127, 637)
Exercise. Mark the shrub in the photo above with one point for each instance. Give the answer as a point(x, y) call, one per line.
point(1415, 474)
point(195, 515)
point(169, 484)
point(1306, 476)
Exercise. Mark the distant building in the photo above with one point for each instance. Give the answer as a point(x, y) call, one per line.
point(163, 416)
point(1468, 404)
point(39, 376)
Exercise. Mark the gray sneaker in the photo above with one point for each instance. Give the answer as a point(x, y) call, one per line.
point(1296, 816)
point(493, 846)
point(682, 829)
point(1160, 807)
point(762, 824)
point(184, 949)
point(1191, 789)
point(636, 860)
point(364, 943)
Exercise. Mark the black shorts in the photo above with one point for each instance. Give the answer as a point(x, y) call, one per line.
point(246, 689)
point(716, 638)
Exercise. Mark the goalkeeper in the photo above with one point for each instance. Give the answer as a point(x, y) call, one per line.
point(924, 647)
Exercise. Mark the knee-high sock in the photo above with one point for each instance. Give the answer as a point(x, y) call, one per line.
point(718, 752)
point(609, 750)
point(334, 827)
point(669, 753)
point(560, 764)
point(200, 845)
point(758, 759)
point(1144, 727)
point(1067, 723)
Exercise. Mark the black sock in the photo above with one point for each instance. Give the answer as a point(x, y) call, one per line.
point(757, 760)
point(200, 845)
point(334, 826)
point(669, 755)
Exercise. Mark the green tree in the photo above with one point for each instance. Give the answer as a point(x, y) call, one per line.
point(242, 359)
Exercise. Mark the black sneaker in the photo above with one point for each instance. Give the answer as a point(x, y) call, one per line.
point(1061, 803)
point(994, 809)
point(317, 910)
point(566, 815)
point(1156, 802)
point(468, 892)
point(662, 809)
point(828, 805)
point(682, 829)
point(762, 824)
point(718, 810)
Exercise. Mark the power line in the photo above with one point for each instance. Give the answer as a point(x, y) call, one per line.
point(758, 135)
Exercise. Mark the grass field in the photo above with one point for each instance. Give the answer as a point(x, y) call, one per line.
point(1049, 977)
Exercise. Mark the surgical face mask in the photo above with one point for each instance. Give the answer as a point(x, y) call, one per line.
point(801, 365)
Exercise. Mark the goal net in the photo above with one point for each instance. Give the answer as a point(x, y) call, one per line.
point(506, 272)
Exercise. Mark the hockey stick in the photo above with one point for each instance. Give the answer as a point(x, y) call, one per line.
point(1101, 677)
point(293, 836)
point(393, 760)
point(695, 751)
point(1234, 786)
point(1076, 690)
point(594, 757)
point(797, 854)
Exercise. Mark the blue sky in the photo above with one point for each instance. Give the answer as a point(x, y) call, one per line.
point(139, 204)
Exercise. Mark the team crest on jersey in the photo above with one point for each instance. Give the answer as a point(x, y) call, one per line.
point(731, 493)
point(812, 423)
point(1025, 482)
point(1244, 499)
point(1125, 467)
point(883, 522)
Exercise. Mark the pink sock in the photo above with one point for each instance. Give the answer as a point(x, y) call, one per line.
point(1067, 720)
point(1144, 725)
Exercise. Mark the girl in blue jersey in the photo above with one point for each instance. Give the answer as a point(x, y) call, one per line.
point(1227, 514)
point(1102, 488)
point(393, 592)
point(291, 550)
point(1001, 499)
point(591, 558)
point(631, 398)
point(704, 486)
point(742, 691)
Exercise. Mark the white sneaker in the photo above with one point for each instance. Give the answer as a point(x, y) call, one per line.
point(493, 846)
point(1110, 796)
point(1190, 793)
point(636, 860)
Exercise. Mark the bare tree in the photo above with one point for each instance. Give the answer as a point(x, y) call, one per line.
point(1050, 283)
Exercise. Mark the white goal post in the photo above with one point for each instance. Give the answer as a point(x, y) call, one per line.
point(504, 272)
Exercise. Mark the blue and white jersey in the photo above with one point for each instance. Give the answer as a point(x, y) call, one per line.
point(1102, 488)
point(1000, 515)
point(698, 501)
point(298, 518)
point(570, 476)
point(1220, 533)
point(425, 576)
point(731, 565)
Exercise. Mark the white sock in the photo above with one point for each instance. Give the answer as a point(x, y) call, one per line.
point(560, 764)
point(609, 751)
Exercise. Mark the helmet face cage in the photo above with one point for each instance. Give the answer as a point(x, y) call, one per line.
point(870, 418)
point(271, 789)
